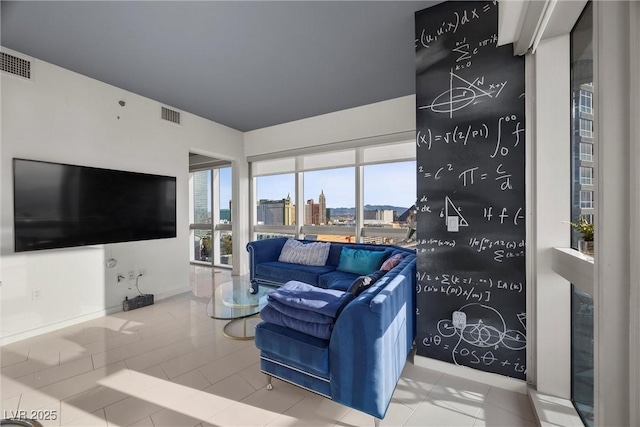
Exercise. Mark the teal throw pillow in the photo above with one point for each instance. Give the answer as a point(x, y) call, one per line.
point(360, 261)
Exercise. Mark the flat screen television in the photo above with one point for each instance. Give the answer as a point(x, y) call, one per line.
point(59, 205)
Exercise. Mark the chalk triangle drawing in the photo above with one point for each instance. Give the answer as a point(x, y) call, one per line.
point(470, 85)
point(448, 204)
point(522, 317)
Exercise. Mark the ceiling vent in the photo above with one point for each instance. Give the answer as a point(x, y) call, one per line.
point(16, 66)
point(170, 115)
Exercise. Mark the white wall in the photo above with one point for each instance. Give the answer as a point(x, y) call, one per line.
point(386, 118)
point(65, 117)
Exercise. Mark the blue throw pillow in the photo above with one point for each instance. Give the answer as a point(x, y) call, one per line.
point(360, 261)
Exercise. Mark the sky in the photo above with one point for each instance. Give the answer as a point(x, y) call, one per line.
point(385, 184)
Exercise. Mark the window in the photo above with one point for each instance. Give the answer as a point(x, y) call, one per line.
point(330, 200)
point(582, 333)
point(211, 216)
point(275, 214)
point(586, 128)
point(586, 175)
point(586, 101)
point(586, 152)
point(586, 199)
point(328, 185)
point(389, 202)
point(276, 204)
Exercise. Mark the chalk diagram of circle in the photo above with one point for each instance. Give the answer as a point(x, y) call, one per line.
point(453, 100)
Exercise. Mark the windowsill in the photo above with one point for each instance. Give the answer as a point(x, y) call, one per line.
point(574, 266)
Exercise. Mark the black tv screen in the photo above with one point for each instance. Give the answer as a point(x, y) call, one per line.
point(59, 206)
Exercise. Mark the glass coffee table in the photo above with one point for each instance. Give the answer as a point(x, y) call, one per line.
point(233, 301)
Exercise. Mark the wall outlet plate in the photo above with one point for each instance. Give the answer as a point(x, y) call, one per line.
point(459, 320)
point(453, 224)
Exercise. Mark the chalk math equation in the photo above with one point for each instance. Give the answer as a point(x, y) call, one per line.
point(471, 175)
point(451, 25)
point(492, 214)
point(481, 339)
point(452, 279)
point(509, 132)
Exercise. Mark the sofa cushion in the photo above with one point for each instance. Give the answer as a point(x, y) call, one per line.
point(282, 272)
point(336, 280)
point(304, 352)
point(297, 252)
point(361, 261)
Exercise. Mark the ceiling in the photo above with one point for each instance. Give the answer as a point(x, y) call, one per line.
point(243, 64)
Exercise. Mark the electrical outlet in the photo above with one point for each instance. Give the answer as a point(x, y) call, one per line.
point(36, 294)
point(142, 272)
point(459, 319)
point(132, 275)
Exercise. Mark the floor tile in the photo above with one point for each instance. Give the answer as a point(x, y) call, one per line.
point(396, 415)
point(95, 419)
point(229, 365)
point(10, 357)
point(129, 411)
point(494, 416)
point(193, 379)
point(83, 404)
point(62, 372)
point(234, 388)
point(432, 413)
point(415, 384)
point(192, 410)
point(9, 405)
point(513, 402)
point(145, 422)
point(311, 411)
point(10, 387)
point(459, 394)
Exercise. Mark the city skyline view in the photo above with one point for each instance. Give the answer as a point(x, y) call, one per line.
point(338, 189)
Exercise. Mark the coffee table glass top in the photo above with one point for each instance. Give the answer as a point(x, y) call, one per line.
point(232, 300)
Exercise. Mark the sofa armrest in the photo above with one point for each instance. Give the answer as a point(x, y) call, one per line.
point(263, 251)
point(370, 343)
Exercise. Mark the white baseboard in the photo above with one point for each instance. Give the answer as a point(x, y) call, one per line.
point(58, 325)
point(172, 293)
point(80, 319)
point(494, 380)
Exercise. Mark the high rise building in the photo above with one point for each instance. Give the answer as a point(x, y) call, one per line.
point(276, 212)
point(316, 213)
point(583, 150)
point(201, 198)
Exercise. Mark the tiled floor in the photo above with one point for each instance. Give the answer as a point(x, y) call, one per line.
point(169, 365)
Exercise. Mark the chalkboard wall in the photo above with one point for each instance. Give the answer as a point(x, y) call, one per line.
point(471, 190)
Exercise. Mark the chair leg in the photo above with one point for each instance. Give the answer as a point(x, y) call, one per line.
point(269, 385)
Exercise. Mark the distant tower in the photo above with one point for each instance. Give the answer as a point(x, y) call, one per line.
point(322, 209)
point(201, 198)
point(289, 211)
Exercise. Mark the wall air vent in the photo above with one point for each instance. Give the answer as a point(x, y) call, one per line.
point(170, 115)
point(16, 66)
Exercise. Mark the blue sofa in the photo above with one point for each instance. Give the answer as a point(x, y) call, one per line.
point(360, 364)
point(264, 267)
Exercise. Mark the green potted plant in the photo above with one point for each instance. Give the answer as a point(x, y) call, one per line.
point(584, 227)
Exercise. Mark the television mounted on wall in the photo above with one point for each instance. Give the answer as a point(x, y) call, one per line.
point(59, 205)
